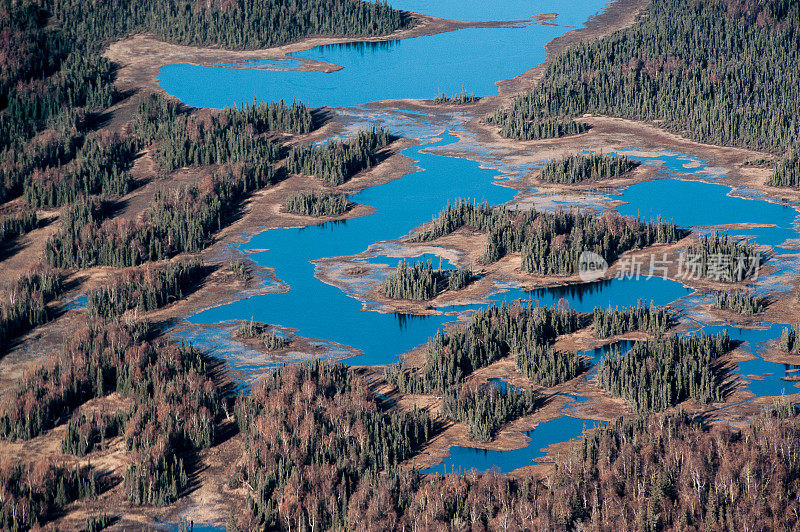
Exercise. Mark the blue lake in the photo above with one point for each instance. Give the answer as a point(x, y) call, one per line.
point(422, 67)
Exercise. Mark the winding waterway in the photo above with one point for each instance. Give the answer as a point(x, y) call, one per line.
point(472, 59)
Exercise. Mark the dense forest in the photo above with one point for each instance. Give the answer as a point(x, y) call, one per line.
point(657, 374)
point(181, 220)
point(578, 168)
point(317, 204)
point(538, 128)
point(19, 223)
point(230, 24)
point(721, 71)
point(146, 288)
point(642, 317)
point(789, 340)
point(420, 281)
point(550, 242)
point(336, 161)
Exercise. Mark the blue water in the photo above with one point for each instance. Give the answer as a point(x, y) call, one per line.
point(467, 458)
point(695, 203)
point(422, 67)
point(319, 310)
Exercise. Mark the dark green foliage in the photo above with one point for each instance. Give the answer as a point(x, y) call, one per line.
point(250, 24)
point(33, 493)
point(460, 99)
point(550, 243)
point(722, 259)
point(718, 70)
point(740, 302)
point(642, 317)
point(230, 136)
point(100, 167)
point(318, 204)
point(315, 423)
point(270, 338)
point(14, 225)
point(657, 374)
point(545, 366)
point(787, 174)
point(85, 433)
point(789, 340)
point(487, 408)
point(458, 279)
point(538, 128)
point(179, 221)
point(336, 161)
point(144, 289)
point(491, 334)
point(421, 282)
point(23, 305)
point(578, 168)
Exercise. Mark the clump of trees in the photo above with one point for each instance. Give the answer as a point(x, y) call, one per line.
point(657, 374)
point(642, 317)
point(741, 302)
point(144, 289)
point(486, 408)
point(578, 168)
point(461, 99)
point(720, 258)
point(33, 493)
point(422, 282)
point(23, 304)
point(550, 242)
point(336, 161)
point(789, 340)
point(316, 428)
point(241, 24)
point(87, 432)
point(545, 366)
point(318, 204)
point(262, 332)
point(492, 333)
point(536, 128)
point(19, 223)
